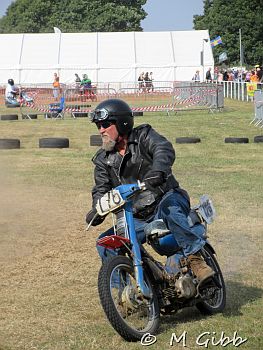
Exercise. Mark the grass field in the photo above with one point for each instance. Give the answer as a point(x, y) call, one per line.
point(49, 264)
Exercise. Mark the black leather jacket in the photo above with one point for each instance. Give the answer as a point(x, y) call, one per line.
point(147, 150)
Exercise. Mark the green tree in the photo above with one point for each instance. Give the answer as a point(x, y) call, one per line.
point(35, 16)
point(225, 18)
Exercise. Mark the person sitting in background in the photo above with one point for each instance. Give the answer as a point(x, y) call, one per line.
point(85, 82)
point(11, 90)
point(11, 93)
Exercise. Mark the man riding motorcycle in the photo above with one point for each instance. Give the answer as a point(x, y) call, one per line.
point(140, 153)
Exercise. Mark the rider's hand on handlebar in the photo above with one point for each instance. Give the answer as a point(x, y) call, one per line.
point(154, 179)
point(93, 216)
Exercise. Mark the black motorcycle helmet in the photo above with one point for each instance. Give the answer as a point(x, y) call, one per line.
point(11, 82)
point(117, 111)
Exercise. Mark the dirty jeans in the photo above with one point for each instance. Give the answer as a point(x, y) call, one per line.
point(173, 208)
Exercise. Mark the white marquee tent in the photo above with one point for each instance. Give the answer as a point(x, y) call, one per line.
point(105, 57)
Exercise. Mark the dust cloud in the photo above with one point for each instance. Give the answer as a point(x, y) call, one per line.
point(29, 215)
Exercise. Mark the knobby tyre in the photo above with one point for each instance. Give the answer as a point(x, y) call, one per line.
point(215, 296)
point(130, 315)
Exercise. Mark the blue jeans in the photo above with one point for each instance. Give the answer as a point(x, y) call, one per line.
point(173, 208)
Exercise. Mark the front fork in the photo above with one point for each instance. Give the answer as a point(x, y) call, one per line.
point(136, 253)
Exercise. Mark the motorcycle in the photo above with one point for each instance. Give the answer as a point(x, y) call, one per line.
point(134, 288)
point(18, 99)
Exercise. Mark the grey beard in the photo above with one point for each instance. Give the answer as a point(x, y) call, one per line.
point(109, 145)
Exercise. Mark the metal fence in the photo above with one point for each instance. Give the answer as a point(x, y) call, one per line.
point(258, 102)
point(169, 96)
point(242, 91)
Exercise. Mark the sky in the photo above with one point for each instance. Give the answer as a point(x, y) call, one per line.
point(163, 15)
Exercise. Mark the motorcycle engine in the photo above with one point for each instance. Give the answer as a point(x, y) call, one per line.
point(185, 287)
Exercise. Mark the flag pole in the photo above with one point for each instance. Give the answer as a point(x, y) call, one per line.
point(240, 52)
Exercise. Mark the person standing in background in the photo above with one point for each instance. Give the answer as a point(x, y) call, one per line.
point(151, 80)
point(77, 82)
point(77, 79)
point(208, 76)
point(141, 82)
point(147, 82)
point(56, 86)
point(196, 77)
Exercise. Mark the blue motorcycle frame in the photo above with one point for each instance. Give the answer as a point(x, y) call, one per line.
point(115, 241)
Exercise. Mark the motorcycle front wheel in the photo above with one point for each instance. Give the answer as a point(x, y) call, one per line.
point(130, 314)
point(214, 296)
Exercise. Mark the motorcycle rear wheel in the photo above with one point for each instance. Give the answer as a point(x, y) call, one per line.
point(129, 313)
point(217, 300)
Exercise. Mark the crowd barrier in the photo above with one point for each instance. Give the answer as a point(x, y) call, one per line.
point(258, 103)
point(74, 100)
point(242, 91)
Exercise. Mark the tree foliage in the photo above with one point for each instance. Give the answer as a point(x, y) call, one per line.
point(35, 16)
point(225, 18)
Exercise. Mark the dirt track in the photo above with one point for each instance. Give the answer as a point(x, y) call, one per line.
point(32, 215)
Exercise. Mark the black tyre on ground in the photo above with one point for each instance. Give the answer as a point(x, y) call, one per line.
point(12, 105)
point(188, 140)
point(95, 140)
point(9, 143)
point(31, 116)
point(9, 117)
point(138, 114)
point(50, 115)
point(130, 315)
point(258, 138)
point(236, 140)
point(80, 115)
point(215, 295)
point(54, 142)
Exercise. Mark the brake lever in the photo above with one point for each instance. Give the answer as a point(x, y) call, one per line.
point(90, 223)
point(142, 185)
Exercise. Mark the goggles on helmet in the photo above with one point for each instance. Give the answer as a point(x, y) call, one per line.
point(99, 115)
point(102, 114)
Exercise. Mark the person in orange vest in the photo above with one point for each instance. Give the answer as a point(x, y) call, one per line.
point(254, 77)
point(56, 86)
